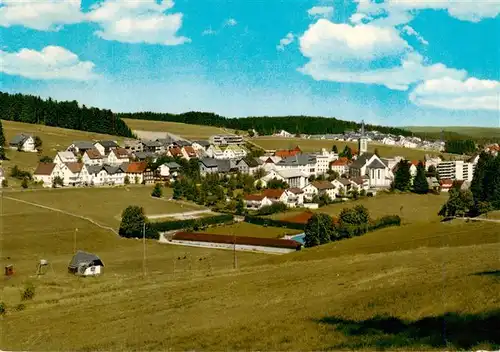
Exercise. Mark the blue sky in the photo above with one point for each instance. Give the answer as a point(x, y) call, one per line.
point(389, 62)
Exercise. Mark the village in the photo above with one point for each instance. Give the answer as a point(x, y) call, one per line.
point(292, 177)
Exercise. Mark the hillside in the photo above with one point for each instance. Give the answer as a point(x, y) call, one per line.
point(457, 132)
point(389, 289)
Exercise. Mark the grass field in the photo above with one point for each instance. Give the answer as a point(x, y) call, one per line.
point(251, 230)
point(474, 132)
point(104, 205)
point(311, 145)
point(54, 139)
point(187, 131)
point(330, 297)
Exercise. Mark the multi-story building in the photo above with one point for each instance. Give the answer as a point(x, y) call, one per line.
point(455, 170)
point(226, 139)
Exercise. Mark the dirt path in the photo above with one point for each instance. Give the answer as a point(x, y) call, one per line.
point(64, 212)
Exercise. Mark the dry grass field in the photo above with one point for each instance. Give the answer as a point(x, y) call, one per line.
point(192, 132)
point(392, 289)
point(251, 230)
point(311, 145)
point(54, 139)
point(104, 205)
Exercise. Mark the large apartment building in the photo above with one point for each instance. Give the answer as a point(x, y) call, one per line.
point(455, 170)
point(226, 139)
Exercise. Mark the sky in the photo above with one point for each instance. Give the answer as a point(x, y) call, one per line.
point(392, 62)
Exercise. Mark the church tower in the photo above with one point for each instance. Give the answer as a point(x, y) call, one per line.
point(363, 141)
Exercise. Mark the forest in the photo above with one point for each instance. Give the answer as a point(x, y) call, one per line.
point(265, 125)
point(64, 114)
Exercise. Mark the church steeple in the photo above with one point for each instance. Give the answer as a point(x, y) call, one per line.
point(363, 141)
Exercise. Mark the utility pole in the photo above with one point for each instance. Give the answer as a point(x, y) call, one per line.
point(144, 249)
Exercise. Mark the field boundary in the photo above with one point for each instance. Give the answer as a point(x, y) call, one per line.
point(64, 212)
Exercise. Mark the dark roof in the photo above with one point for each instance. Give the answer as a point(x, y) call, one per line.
point(223, 165)
point(361, 160)
point(94, 169)
point(111, 170)
point(296, 190)
point(19, 139)
point(377, 164)
point(299, 159)
point(203, 143)
point(181, 143)
point(144, 155)
point(172, 165)
point(84, 258)
point(108, 144)
point(166, 141)
point(322, 185)
point(242, 240)
point(251, 162)
point(83, 145)
point(149, 143)
point(44, 169)
point(209, 162)
point(344, 181)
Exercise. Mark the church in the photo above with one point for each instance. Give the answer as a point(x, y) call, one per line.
point(369, 166)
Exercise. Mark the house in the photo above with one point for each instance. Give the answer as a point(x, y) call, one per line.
point(256, 201)
point(133, 145)
point(214, 151)
point(360, 183)
point(233, 152)
point(319, 188)
point(182, 143)
point(65, 157)
point(211, 166)
point(105, 147)
point(288, 153)
point(166, 142)
point(431, 161)
point(175, 152)
point(80, 147)
point(144, 156)
point(167, 170)
point(340, 166)
point(369, 164)
point(188, 152)
point(226, 139)
point(303, 162)
point(138, 172)
point(118, 156)
point(296, 197)
point(71, 173)
point(434, 184)
point(85, 264)
point(283, 133)
point(23, 142)
point(93, 175)
point(323, 160)
point(248, 165)
point(92, 157)
point(269, 162)
point(116, 174)
point(200, 145)
point(45, 173)
point(151, 146)
point(294, 178)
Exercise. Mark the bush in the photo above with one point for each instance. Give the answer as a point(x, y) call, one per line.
point(132, 224)
point(24, 183)
point(272, 209)
point(5, 183)
point(3, 308)
point(126, 180)
point(157, 191)
point(20, 307)
point(28, 293)
point(164, 226)
point(256, 220)
point(385, 221)
point(16, 172)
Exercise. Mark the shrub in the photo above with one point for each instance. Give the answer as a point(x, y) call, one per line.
point(28, 293)
point(24, 183)
point(20, 307)
point(46, 159)
point(164, 226)
point(274, 223)
point(272, 209)
point(57, 181)
point(3, 308)
point(16, 172)
point(5, 183)
point(157, 191)
point(126, 180)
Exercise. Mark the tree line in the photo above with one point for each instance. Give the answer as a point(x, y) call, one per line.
point(64, 114)
point(466, 146)
point(265, 125)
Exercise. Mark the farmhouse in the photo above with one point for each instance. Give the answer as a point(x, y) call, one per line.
point(92, 157)
point(23, 142)
point(65, 157)
point(319, 188)
point(85, 264)
point(256, 201)
point(138, 172)
point(105, 147)
point(168, 170)
point(80, 147)
point(341, 165)
point(118, 156)
point(45, 173)
point(248, 165)
point(240, 243)
point(151, 146)
point(71, 173)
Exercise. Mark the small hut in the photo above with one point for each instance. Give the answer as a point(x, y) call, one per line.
point(85, 264)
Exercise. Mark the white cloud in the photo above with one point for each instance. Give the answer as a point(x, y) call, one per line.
point(231, 22)
point(410, 31)
point(358, 18)
point(453, 94)
point(138, 22)
point(366, 54)
point(40, 14)
point(400, 11)
point(209, 31)
point(52, 62)
point(285, 41)
point(321, 11)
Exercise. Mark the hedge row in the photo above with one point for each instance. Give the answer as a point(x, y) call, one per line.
point(347, 231)
point(163, 226)
point(150, 233)
point(257, 220)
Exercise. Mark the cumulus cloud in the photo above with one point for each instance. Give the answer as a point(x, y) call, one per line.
point(366, 54)
point(285, 41)
point(454, 94)
point(321, 11)
point(40, 15)
point(231, 22)
point(52, 62)
point(138, 22)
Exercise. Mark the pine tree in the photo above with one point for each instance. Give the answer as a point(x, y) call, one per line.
point(347, 153)
point(157, 191)
point(335, 149)
point(420, 184)
point(319, 230)
point(177, 190)
point(2, 143)
point(402, 178)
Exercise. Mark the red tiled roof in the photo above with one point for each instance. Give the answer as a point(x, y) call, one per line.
point(273, 193)
point(74, 167)
point(190, 151)
point(343, 161)
point(446, 183)
point(93, 154)
point(321, 185)
point(137, 167)
point(287, 153)
point(255, 197)
point(175, 151)
point(45, 169)
point(242, 240)
point(296, 190)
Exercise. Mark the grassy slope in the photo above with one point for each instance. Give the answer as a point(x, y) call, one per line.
point(304, 304)
point(251, 230)
point(310, 145)
point(181, 129)
point(54, 139)
point(474, 132)
point(105, 205)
